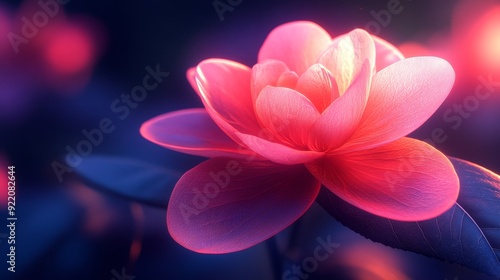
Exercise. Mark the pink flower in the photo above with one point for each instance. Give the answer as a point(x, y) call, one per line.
point(314, 111)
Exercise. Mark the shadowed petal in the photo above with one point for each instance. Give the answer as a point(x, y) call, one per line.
point(406, 180)
point(191, 131)
point(288, 79)
point(403, 96)
point(339, 121)
point(345, 57)
point(286, 113)
point(278, 153)
point(223, 205)
point(387, 54)
point(298, 44)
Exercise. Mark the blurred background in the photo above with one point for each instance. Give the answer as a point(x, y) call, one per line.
point(67, 67)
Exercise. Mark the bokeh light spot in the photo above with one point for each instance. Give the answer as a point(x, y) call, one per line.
point(71, 50)
point(488, 39)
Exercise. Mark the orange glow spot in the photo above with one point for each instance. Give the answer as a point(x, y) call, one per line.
point(476, 38)
point(487, 39)
point(370, 261)
point(70, 50)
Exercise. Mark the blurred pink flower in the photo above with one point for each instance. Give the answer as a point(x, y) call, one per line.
point(4, 181)
point(41, 53)
point(314, 111)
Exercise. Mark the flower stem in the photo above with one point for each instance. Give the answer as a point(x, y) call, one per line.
point(276, 258)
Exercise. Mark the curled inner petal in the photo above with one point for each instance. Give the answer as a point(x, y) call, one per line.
point(319, 86)
point(341, 119)
point(227, 101)
point(287, 114)
point(346, 56)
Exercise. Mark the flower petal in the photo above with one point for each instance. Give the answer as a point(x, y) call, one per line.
point(193, 132)
point(267, 73)
point(339, 121)
point(406, 180)
point(387, 53)
point(319, 86)
point(345, 57)
point(276, 152)
point(403, 96)
point(298, 44)
point(223, 205)
point(286, 114)
point(224, 88)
